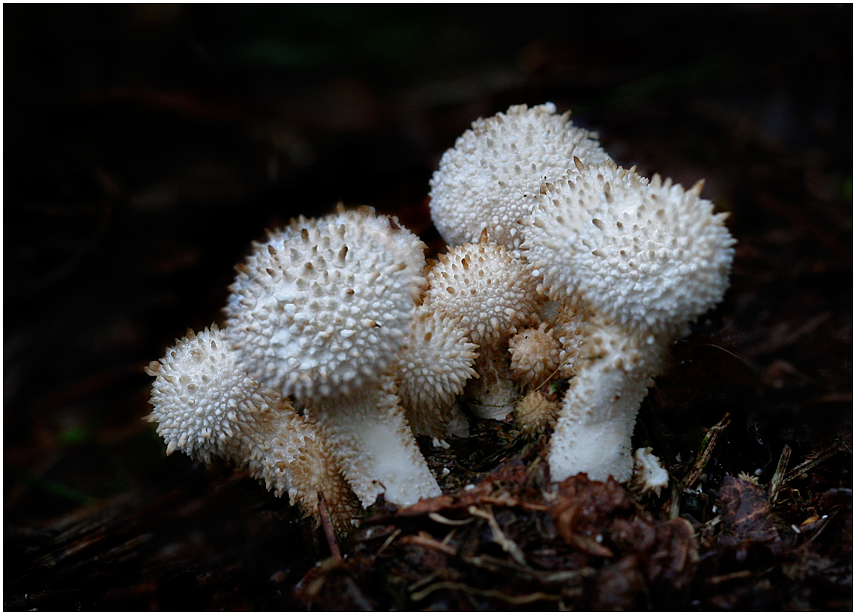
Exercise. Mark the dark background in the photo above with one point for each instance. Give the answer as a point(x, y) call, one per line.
point(147, 145)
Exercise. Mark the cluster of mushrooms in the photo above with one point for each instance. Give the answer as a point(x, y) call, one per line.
point(341, 342)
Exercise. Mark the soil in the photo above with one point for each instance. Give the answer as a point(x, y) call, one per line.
point(147, 146)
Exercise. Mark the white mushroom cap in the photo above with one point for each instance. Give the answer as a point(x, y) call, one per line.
point(322, 307)
point(481, 284)
point(205, 404)
point(653, 256)
point(435, 364)
point(492, 176)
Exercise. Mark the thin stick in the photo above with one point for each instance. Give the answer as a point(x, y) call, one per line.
point(329, 532)
point(707, 446)
point(779, 475)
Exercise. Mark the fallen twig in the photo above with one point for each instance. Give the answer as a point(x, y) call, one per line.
point(705, 451)
point(485, 593)
point(778, 476)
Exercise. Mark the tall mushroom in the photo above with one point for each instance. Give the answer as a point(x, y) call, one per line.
point(642, 259)
point(320, 312)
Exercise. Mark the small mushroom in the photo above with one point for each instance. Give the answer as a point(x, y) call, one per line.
point(491, 294)
point(435, 364)
point(535, 356)
point(535, 413)
point(207, 406)
point(321, 311)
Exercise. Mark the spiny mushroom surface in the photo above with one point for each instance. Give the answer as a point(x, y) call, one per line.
point(652, 255)
point(535, 413)
point(435, 364)
point(492, 176)
point(491, 293)
point(323, 306)
point(207, 406)
point(481, 284)
point(321, 312)
point(535, 355)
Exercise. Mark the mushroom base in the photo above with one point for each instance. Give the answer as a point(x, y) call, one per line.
point(374, 446)
point(493, 394)
point(599, 410)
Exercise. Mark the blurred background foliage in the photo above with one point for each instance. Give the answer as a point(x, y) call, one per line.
point(148, 145)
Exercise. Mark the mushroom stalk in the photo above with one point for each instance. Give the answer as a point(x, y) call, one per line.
point(599, 410)
point(374, 445)
point(493, 394)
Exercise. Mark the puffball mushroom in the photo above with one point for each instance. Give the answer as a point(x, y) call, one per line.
point(435, 364)
point(207, 406)
point(651, 255)
point(491, 294)
point(340, 314)
point(482, 285)
point(535, 355)
point(644, 259)
point(492, 176)
point(321, 311)
point(535, 413)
